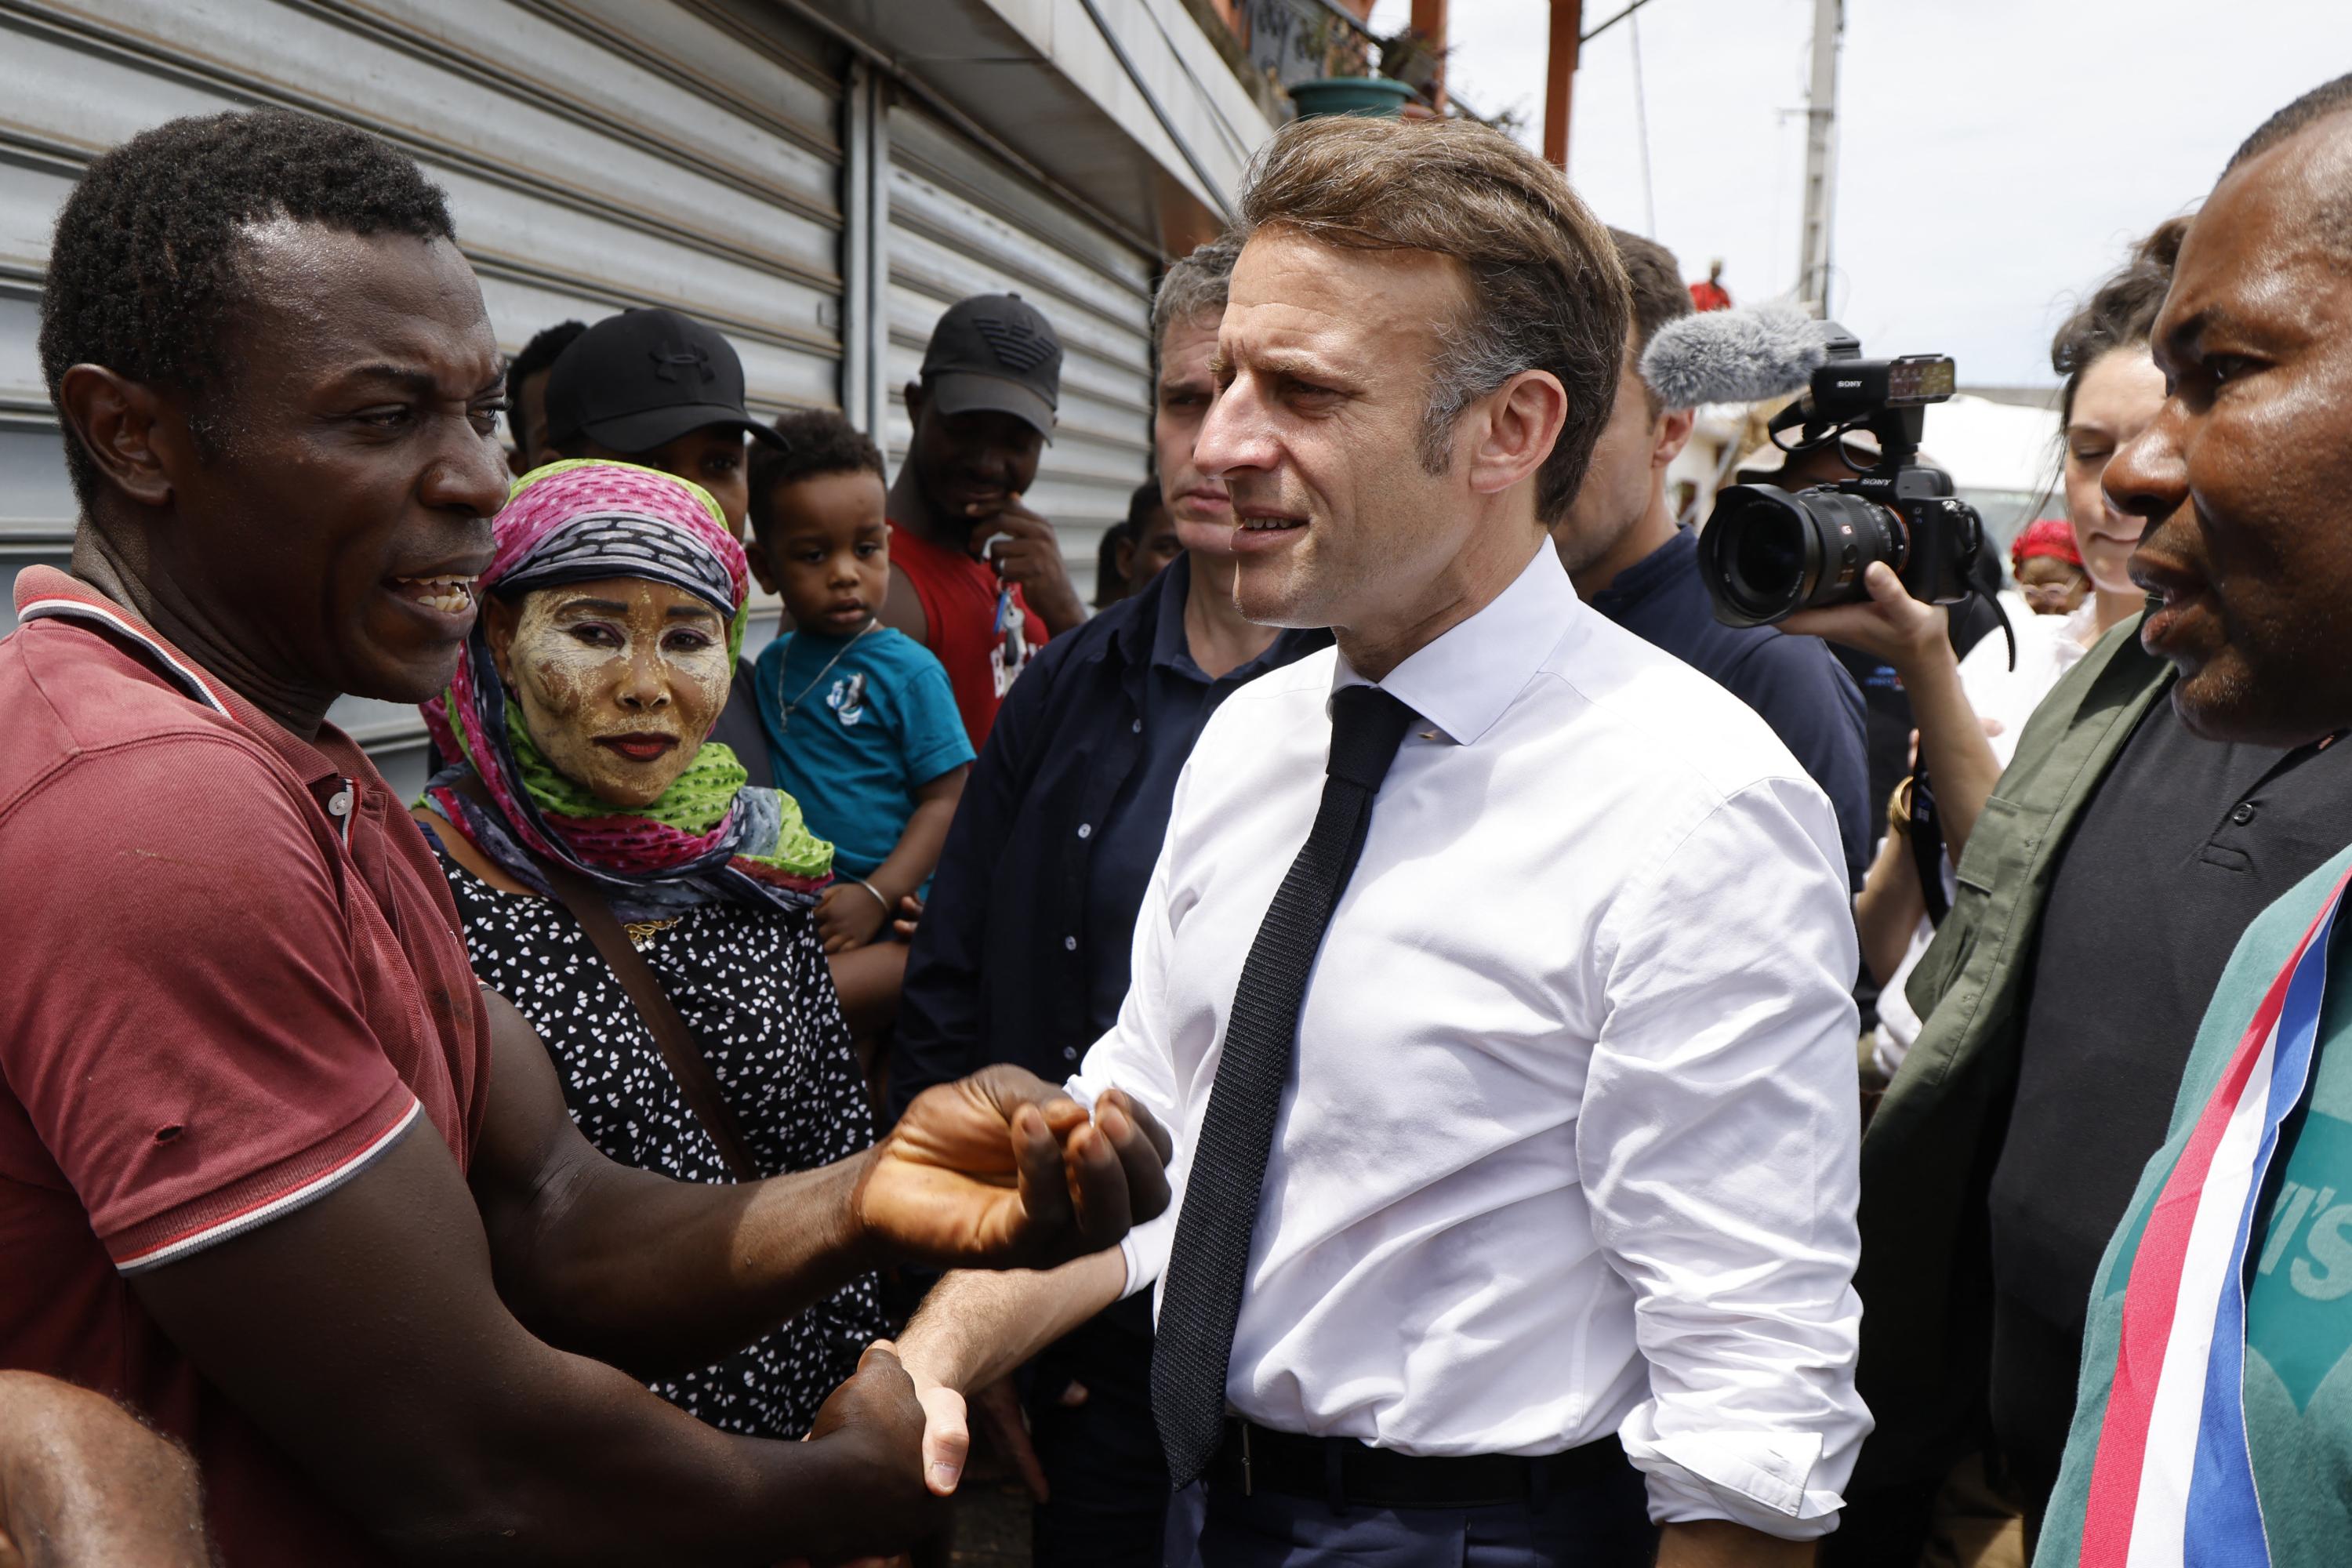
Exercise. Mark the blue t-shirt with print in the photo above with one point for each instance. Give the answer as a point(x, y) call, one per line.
point(862, 736)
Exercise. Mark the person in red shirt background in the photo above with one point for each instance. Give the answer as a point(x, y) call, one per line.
point(977, 577)
point(1708, 293)
point(2048, 566)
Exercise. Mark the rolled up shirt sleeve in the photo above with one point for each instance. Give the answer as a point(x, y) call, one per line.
point(1718, 1146)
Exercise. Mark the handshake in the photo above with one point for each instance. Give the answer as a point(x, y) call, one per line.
point(998, 1170)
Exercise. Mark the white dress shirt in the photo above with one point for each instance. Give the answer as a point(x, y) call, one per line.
point(1570, 1142)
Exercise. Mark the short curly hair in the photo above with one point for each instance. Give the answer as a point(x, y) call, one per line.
point(816, 441)
point(145, 266)
point(2327, 100)
point(536, 358)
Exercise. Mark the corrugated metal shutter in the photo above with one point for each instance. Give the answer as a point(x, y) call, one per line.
point(598, 155)
point(961, 223)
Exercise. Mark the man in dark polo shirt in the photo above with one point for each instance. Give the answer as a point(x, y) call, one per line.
point(976, 575)
point(274, 1169)
point(1629, 560)
point(1023, 955)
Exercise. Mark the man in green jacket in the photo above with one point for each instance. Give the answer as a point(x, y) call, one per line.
point(1929, 1153)
point(2112, 870)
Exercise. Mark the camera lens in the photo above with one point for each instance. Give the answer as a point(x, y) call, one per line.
point(1766, 553)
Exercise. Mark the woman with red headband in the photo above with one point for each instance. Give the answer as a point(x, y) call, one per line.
point(642, 905)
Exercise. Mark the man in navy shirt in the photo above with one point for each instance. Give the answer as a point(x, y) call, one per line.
point(1022, 952)
point(1629, 560)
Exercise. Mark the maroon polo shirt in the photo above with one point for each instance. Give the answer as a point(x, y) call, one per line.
point(233, 980)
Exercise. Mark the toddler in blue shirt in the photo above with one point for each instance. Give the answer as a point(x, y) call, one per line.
point(862, 725)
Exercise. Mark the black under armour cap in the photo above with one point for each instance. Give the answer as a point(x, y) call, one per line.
point(996, 352)
point(642, 379)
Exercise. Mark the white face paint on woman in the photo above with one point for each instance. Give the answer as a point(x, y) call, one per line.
point(619, 681)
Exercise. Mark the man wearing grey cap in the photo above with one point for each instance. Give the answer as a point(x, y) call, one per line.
point(977, 576)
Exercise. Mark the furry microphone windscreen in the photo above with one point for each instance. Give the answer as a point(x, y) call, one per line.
point(1735, 356)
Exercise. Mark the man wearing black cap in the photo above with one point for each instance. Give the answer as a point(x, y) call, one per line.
point(660, 389)
point(663, 390)
point(982, 412)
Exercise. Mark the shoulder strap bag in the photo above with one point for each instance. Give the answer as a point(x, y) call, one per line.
point(696, 1082)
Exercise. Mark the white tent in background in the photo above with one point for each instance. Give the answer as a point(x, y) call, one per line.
point(2002, 457)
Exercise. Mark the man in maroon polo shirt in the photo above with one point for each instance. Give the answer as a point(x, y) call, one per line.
point(274, 1169)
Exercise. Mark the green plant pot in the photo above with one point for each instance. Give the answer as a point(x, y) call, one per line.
point(1373, 96)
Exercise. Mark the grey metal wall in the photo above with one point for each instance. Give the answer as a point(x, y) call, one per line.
point(962, 222)
point(712, 155)
point(598, 155)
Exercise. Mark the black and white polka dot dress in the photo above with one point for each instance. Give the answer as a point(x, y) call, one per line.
point(753, 986)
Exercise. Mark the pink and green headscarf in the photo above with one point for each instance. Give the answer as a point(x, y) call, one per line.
point(712, 836)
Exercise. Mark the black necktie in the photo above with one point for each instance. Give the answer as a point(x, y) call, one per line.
point(1211, 1255)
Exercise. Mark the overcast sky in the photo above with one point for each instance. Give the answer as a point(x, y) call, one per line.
point(1995, 158)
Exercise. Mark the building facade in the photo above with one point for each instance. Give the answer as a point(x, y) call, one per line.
point(817, 180)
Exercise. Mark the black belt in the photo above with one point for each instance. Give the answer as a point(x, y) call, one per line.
point(1345, 1471)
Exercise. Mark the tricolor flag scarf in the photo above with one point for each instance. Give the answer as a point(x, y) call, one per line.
point(2172, 1481)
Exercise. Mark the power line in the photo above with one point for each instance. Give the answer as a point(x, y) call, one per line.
point(1641, 123)
point(1208, 185)
point(1588, 37)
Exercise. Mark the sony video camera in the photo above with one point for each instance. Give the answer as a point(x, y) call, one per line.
point(1766, 553)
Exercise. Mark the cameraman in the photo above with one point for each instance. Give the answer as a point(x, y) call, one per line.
point(2111, 389)
point(2106, 873)
point(1629, 561)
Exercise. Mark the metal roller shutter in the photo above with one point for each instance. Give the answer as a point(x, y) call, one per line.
point(961, 223)
point(597, 154)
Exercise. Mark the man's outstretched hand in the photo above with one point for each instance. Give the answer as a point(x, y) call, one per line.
point(1000, 1169)
point(874, 1421)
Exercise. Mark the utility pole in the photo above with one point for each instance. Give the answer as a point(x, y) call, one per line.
point(1429, 25)
point(1567, 21)
point(1821, 175)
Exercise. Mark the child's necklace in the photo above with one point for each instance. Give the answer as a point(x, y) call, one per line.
point(784, 719)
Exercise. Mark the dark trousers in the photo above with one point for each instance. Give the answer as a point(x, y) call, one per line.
point(2035, 1364)
point(1102, 1458)
point(1599, 1523)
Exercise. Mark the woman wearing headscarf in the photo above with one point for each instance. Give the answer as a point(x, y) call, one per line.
point(588, 831)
